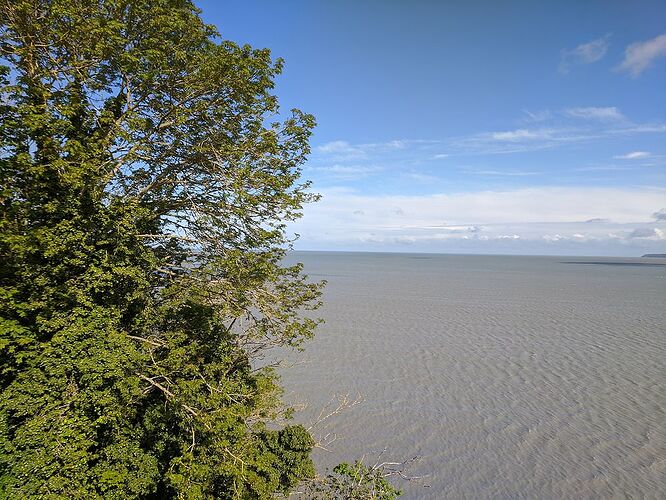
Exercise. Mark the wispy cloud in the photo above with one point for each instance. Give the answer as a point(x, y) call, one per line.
point(566, 126)
point(634, 155)
point(344, 160)
point(508, 173)
point(595, 113)
point(603, 168)
point(643, 159)
point(334, 147)
point(341, 150)
point(644, 128)
point(585, 53)
point(640, 55)
point(349, 171)
point(346, 151)
point(536, 139)
point(536, 116)
point(521, 135)
point(424, 178)
point(518, 141)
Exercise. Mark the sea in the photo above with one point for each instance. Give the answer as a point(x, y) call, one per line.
point(498, 377)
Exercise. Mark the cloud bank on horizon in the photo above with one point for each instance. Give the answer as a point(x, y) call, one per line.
point(566, 221)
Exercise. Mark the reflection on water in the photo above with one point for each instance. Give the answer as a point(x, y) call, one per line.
point(514, 377)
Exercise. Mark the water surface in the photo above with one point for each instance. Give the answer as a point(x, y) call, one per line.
point(513, 377)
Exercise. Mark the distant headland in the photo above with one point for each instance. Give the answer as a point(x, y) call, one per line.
point(656, 255)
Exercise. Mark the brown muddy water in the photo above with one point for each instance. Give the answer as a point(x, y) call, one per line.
point(512, 377)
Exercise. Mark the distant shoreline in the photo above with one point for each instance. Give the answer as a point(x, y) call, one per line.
point(384, 252)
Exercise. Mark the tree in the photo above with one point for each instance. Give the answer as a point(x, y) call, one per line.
point(357, 482)
point(143, 202)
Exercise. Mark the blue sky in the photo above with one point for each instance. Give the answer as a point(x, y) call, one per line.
point(474, 127)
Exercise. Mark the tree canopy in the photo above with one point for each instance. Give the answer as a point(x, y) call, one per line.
point(145, 183)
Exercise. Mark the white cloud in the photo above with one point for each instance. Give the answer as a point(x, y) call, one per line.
point(660, 215)
point(595, 113)
point(601, 123)
point(521, 134)
point(555, 204)
point(334, 147)
point(585, 53)
point(521, 218)
point(634, 155)
point(638, 56)
point(520, 140)
point(575, 237)
point(644, 128)
point(508, 173)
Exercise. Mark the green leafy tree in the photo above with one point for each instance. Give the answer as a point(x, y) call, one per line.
point(352, 482)
point(144, 193)
point(360, 481)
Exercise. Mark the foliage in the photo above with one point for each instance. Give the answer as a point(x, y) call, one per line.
point(143, 202)
point(355, 482)
point(361, 481)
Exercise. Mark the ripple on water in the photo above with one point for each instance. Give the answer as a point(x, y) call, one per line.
point(512, 377)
